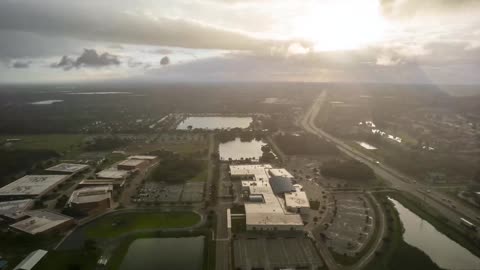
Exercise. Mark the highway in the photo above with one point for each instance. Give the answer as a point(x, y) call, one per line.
point(396, 179)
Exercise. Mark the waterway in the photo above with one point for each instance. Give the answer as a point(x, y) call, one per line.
point(215, 122)
point(445, 252)
point(184, 253)
point(237, 149)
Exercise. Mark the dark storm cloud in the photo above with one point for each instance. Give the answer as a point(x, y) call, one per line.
point(110, 23)
point(165, 61)
point(89, 58)
point(21, 64)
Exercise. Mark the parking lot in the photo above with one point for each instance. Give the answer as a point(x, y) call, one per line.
point(275, 253)
point(351, 225)
point(161, 192)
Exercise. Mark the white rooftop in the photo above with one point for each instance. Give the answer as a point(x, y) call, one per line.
point(270, 212)
point(297, 199)
point(91, 194)
point(31, 260)
point(142, 157)
point(40, 221)
point(32, 185)
point(15, 209)
point(112, 173)
point(67, 168)
point(280, 172)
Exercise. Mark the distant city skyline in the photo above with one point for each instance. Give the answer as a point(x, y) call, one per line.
point(382, 41)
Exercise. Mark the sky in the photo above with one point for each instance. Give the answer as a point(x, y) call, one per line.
point(380, 41)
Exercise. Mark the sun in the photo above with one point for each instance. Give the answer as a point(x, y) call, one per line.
point(341, 25)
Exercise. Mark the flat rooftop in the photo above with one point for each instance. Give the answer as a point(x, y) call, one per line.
point(91, 194)
point(131, 162)
point(67, 168)
point(143, 157)
point(112, 173)
point(31, 260)
point(15, 209)
point(297, 199)
point(40, 221)
point(280, 172)
point(272, 211)
point(32, 185)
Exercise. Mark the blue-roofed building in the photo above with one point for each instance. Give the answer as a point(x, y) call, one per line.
point(281, 184)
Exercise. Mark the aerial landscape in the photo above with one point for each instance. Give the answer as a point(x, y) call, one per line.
point(239, 135)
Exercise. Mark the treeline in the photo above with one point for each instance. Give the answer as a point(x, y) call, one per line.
point(17, 160)
point(105, 143)
point(304, 144)
point(347, 170)
point(244, 135)
point(175, 168)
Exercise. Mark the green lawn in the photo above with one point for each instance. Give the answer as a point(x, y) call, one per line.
point(203, 175)
point(56, 142)
point(116, 225)
point(67, 260)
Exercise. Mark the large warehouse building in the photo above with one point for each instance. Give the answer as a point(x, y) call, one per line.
point(14, 210)
point(265, 208)
point(31, 186)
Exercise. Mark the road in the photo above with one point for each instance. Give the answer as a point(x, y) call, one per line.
point(397, 180)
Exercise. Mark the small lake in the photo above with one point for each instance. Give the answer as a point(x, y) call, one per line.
point(442, 250)
point(46, 102)
point(237, 149)
point(185, 253)
point(215, 122)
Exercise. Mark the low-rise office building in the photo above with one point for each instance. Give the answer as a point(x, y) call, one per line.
point(113, 173)
point(31, 260)
point(31, 186)
point(43, 222)
point(132, 164)
point(265, 208)
point(90, 200)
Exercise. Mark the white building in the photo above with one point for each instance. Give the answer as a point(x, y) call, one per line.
point(113, 173)
point(69, 168)
point(31, 186)
point(297, 201)
point(266, 210)
point(143, 157)
point(31, 260)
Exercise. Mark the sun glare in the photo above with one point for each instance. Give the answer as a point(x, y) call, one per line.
point(341, 25)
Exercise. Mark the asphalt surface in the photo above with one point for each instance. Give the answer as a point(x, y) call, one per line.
point(397, 180)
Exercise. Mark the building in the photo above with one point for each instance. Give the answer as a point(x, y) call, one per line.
point(113, 173)
point(90, 200)
point(31, 260)
point(265, 209)
point(115, 183)
point(31, 186)
point(132, 164)
point(150, 159)
point(12, 211)
point(43, 222)
point(297, 201)
point(68, 168)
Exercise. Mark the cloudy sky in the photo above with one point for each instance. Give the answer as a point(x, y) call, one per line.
point(398, 41)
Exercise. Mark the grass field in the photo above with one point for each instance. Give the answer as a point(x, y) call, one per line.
point(57, 142)
point(203, 175)
point(115, 225)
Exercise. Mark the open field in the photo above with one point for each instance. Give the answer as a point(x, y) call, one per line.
point(116, 225)
point(67, 260)
point(57, 142)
